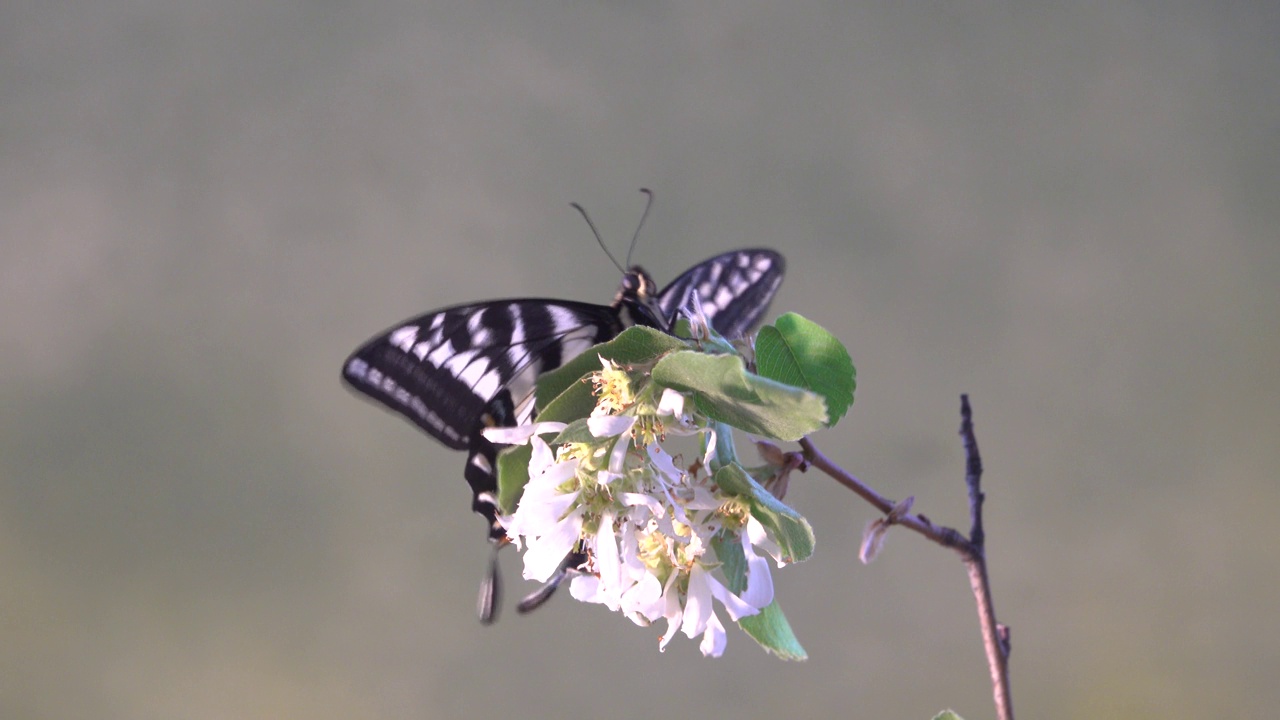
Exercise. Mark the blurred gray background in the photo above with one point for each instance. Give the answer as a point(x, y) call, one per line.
point(1069, 214)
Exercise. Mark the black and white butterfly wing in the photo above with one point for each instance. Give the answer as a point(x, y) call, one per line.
point(734, 289)
point(444, 370)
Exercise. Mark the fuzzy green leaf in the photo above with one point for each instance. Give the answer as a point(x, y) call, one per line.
point(769, 627)
point(575, 432)
point(723, 390)
point(513, 475)
point(573, 403)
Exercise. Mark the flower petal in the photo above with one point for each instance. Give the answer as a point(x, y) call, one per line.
point(661, 461)
point(759, 592)
point(713, 640)
point(697, 604)
point(541, 457)
point(641, 500)
point(672, 403)
point(610, 425)
point(585, 588)
point(643, 600)
point(539, 516)
point(520, 434)
point(710, 454)
point(671, 610)
point(545, 553)
point(618, 458)
point(608, 566)
point(732, 603)
point(760, 538)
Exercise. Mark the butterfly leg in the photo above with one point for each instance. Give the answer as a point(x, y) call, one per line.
point(568, 566)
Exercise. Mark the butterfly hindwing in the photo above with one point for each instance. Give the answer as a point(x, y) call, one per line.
point(734, 288)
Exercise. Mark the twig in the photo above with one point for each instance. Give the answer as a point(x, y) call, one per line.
point(972, 550)
point(944, 536)
point(995, 637)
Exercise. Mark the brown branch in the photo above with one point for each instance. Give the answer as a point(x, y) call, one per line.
point(972, 550)
point(944, 536)
point(995, 637)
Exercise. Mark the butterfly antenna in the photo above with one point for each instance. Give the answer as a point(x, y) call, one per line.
point(635, 237)
point(596, 232)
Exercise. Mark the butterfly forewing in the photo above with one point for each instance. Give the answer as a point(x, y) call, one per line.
point(442, 370)
point(734, 289)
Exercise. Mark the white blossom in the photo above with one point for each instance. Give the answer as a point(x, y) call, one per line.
point(647, 526)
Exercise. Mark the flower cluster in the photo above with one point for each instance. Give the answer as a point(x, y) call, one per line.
point(648, 527)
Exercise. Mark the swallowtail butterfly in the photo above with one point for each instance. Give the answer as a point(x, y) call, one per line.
point(457, 370)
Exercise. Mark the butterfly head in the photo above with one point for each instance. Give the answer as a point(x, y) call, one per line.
point(637, 299)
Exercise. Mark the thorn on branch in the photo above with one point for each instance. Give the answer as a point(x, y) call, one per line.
point(1003, 632)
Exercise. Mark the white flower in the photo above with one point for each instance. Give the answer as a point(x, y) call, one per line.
point(621, 581)
point(612, 387)
point(544, 519)
point(647, 526)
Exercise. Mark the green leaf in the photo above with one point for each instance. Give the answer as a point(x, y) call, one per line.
point(635, 345)
point(575, 432)
point(513, 475)
point(573, 403)
point(723, 390)
point(947, 715)
point(802, 353)
point(725, 453)
point(769, 627)
point(788, 527)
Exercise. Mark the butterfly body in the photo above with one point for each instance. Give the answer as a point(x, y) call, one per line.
point(457, 370)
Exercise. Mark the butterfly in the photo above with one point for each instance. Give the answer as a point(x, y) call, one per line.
point(457, 370)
